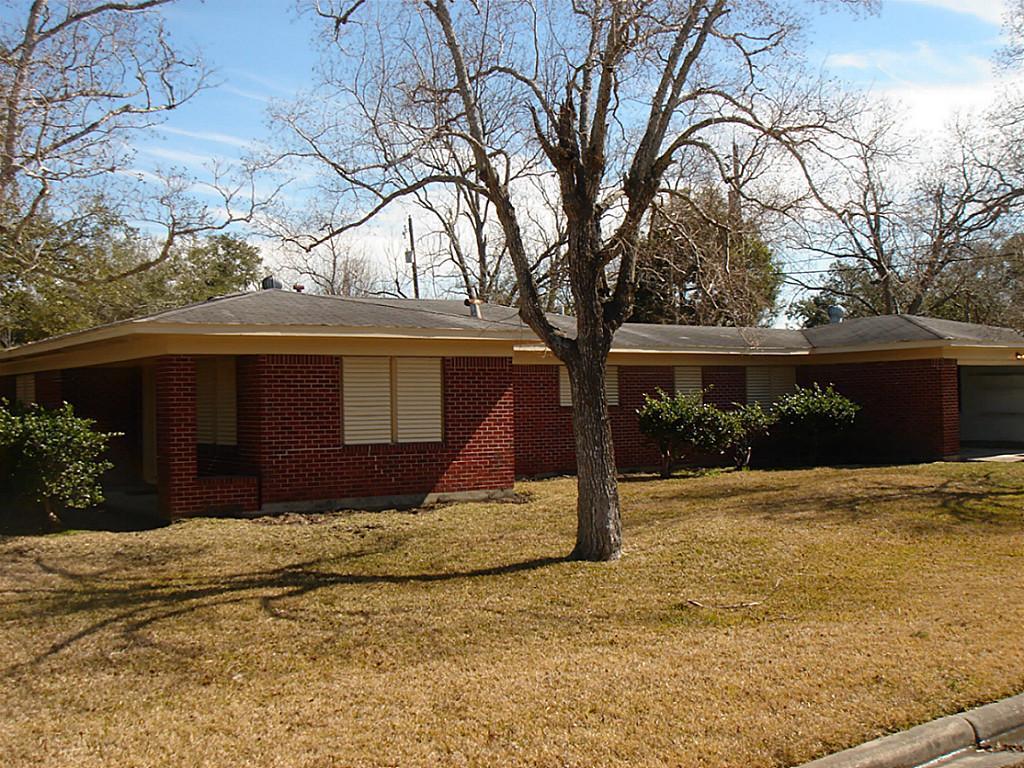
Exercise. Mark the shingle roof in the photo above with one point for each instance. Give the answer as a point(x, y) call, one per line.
point(278, 307)
point(287, 308)
point(901, 328)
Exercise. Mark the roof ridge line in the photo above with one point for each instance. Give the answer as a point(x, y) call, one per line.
point(913, 320)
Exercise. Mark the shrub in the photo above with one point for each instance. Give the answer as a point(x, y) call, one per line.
point(683, 426)
point(813, 420)
point(750, 423)
point(53, 457)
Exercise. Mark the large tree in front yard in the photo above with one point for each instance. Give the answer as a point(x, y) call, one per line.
point(602, 97)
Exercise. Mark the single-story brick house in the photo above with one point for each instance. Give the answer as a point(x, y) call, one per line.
point(274, 400)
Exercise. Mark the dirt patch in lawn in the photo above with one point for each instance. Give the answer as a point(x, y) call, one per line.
point(756, 619)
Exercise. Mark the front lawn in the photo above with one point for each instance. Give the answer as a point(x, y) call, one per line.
point(756, 619)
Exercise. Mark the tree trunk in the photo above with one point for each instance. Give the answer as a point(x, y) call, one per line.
point(598, 519)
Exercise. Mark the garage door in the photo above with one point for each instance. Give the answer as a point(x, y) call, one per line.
point(992, 405)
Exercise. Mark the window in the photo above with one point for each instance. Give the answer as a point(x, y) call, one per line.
point(25, 388)
point(216, 407)
point(392, 400)
point(766, 384)
point(689, 380)
point(611, 385)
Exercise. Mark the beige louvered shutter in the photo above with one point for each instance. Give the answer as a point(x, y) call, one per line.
point(759, 385)
point(418, 400)
point(783, 381)
point(366, 394)
point(25, 388)
point(226, 406)
point(611, 384)
point(564, 390)
point(206, 401)
point(689, 380)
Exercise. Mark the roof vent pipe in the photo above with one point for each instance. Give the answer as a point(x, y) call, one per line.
point(836, 314)
point(271, 283)
point(476, 306)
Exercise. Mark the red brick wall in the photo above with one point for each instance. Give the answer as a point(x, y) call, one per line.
point(910, 408)
point(290, 421)
point(182, 491)
point(544, 434)
point(725, 385)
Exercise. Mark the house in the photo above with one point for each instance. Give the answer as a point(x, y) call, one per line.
point(275, 401)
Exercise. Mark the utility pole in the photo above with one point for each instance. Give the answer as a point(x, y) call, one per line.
point(410, 258)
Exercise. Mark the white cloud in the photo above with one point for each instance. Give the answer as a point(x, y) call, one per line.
point(990, 11)
point(213, 136)
point(181, 157)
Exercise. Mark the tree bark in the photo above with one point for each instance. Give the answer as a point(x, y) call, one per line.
point(598, 515)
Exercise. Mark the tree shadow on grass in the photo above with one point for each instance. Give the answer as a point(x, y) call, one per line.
point(140, 605)
point(984, 501)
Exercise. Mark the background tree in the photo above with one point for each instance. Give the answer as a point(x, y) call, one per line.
point(334, 269)
point(194, 271)
point(986, 288)
point(79, 79)
point(608, 95)
point(701, 263)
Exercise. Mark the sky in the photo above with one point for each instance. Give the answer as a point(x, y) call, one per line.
point(933, 57)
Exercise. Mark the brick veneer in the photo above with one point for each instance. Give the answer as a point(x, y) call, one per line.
point(290, 427)
point(182, 491)
point(910, 408)
point(543, 428)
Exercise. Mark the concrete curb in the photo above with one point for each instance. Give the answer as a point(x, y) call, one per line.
point(931, 741)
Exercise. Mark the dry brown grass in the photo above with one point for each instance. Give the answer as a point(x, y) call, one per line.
point(456, 636)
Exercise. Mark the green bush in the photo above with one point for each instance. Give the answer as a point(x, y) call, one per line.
point(812, 420)
point(53, 457)
point(683, 426)
point(750, 423)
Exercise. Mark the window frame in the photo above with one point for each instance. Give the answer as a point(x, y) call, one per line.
point(393, 404)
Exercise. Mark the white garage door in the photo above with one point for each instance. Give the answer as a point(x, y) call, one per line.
point(991, 405)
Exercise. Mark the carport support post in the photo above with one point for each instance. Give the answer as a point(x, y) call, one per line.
point(176, 452)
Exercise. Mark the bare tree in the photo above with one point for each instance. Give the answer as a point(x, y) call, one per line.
point(608, 94)
point(78, 78)
point(335, 269)
point(899, 223)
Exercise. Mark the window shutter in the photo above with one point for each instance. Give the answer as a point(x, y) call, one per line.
point(25, 388)
point(689, 380)
point(226, 402)
point(766, 384)
point(366, 394)
point(611, 384)
point(783, 381)
point(418, 400)
point(206, 401)
point(564, 390)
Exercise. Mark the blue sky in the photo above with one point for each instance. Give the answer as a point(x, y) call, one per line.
point(923, 52)
point(933, 56)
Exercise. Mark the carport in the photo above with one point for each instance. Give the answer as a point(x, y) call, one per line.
point(992, 406)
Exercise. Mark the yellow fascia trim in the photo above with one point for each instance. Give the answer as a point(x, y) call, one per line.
point(150, 328)
point(139, 346)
